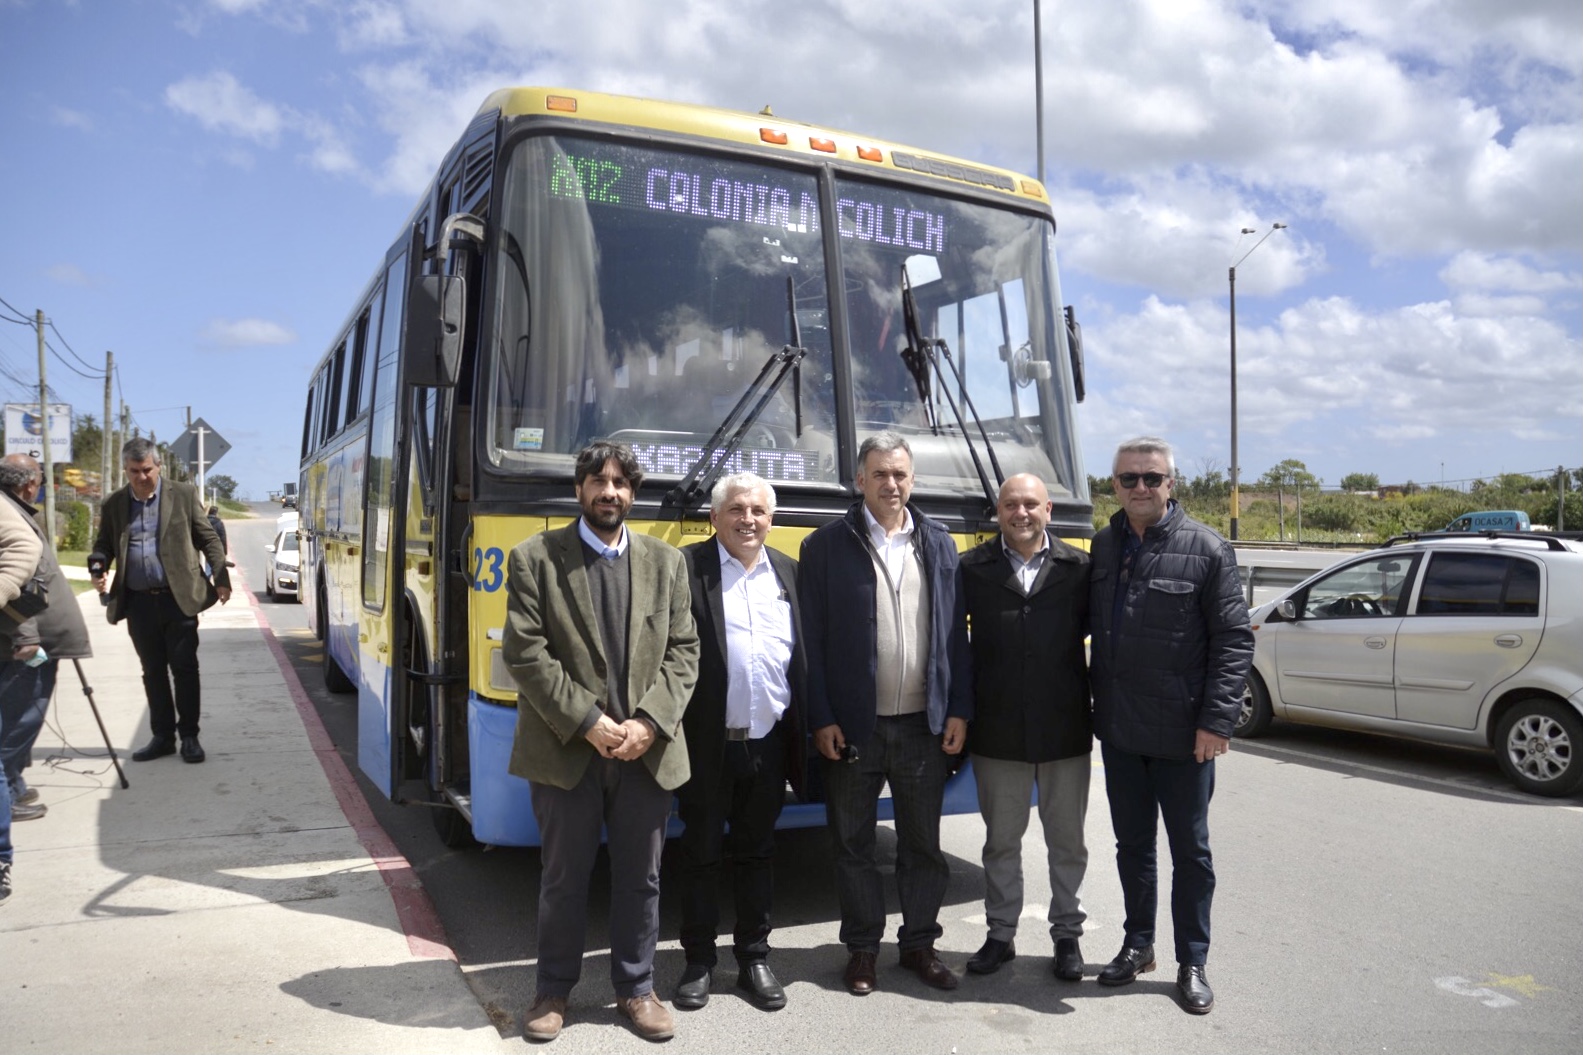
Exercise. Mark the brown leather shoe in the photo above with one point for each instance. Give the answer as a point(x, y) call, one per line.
point(651, 1020)
point(545, 1018)
point(860, 977)
point(928, 966)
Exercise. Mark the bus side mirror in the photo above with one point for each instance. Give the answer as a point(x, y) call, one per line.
point(431, 347)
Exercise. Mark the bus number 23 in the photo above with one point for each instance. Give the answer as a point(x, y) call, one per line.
point(487, 569)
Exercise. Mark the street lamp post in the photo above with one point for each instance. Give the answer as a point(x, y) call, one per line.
point(1236, 494)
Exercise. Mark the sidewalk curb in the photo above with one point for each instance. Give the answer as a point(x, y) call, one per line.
point(420, 921)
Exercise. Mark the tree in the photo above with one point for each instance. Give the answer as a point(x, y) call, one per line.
point(222, 486)
point(1360, 482)
point(87, 443)
point(1289, 475)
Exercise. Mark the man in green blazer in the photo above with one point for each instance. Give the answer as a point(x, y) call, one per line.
point(600, 639)
point(153, 532)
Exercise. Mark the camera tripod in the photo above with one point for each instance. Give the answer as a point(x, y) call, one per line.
point(88, 691)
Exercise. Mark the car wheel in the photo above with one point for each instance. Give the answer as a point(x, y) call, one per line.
point(269, 586)
point(1254, 718)
point(1537, 744)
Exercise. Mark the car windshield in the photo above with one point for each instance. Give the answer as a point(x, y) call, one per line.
point(640, 292)
point(286, 543)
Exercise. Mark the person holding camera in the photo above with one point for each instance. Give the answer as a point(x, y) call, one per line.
point(27, 681)
point(20, 550)
point(153, 531)
point(889, 698)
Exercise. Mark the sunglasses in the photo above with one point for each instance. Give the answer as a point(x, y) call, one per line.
point(1150, 480)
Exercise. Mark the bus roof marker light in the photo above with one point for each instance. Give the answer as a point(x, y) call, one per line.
point(826, 145)
point(563, 103)
point(769, 135)
point(870, 153)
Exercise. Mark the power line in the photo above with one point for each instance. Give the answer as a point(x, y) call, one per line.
point(91, 377)
point(72, 350)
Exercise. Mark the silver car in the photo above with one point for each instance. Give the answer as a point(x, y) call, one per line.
point(280, 578)
point(1473, 640)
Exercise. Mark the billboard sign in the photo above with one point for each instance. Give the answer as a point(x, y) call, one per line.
point(24, 431)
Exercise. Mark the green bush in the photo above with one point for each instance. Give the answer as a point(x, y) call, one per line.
point(74, 521)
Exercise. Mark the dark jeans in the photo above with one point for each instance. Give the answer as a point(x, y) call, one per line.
point(1141, 791)
point(623, 798)
point(166, 640)
point(24, 697)
point(904, 752)
point(748, 798)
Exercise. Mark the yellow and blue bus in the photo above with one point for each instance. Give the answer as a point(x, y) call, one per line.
point(721, 291)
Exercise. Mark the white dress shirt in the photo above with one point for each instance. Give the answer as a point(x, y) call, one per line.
point(758, 644)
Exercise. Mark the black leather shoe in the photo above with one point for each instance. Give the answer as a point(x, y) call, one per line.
point(1197, 997)
point(926, 964)
point(1128, 964)
point(991, 955)
point(758, 981)
point(860, 976)
point(191, 750)
point(1068, 960)
point(158, 747)
point(692, 992)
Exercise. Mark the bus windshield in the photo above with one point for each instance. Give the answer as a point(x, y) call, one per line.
point(984, 282)
point(639, 291)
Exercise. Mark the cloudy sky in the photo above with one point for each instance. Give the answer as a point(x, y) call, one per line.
point(203, 187)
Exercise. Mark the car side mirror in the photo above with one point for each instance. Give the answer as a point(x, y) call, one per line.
point(269, 548)
point(1287, 610)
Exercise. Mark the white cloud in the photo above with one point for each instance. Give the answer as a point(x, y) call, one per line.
point(1330, 382)
point(69, 118)
point(69, 275)
point(220, 103)
point(246, 333)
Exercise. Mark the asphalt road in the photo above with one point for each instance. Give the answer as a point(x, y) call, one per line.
point(1374, 896)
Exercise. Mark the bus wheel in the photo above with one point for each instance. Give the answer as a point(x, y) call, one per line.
point(454, 830)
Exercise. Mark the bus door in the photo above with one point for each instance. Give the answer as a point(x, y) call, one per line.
point(383, 534)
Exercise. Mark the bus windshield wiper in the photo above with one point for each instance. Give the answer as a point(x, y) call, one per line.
point(920, 355)
point(716, 455)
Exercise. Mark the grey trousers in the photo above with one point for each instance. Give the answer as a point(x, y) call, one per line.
point(623, 798)
point(1004, 791)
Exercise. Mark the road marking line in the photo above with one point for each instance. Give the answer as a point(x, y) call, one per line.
point(1513, 796)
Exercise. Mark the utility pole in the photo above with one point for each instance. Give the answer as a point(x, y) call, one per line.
point(1561, 498)
point(107, 433)
point(120, 463)
point(43, 408)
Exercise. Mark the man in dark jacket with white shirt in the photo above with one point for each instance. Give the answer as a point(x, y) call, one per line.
point(1027, 601)
point(1171, 648)
point(889, 699)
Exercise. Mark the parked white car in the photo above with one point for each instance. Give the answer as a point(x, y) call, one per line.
point(280, 579)
point(1472, 640)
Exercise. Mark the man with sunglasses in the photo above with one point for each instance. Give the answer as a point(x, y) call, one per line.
point(1171, 648)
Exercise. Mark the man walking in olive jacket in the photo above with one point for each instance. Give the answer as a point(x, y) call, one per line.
point(152, 531)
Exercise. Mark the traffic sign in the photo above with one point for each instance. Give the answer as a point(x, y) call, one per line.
point(185, 447)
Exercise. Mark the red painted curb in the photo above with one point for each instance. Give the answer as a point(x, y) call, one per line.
point(419, 920)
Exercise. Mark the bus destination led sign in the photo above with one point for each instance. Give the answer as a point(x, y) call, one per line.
point(716, 195)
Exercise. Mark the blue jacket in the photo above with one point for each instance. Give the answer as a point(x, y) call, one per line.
point(1178, 658)
point(837, 587)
